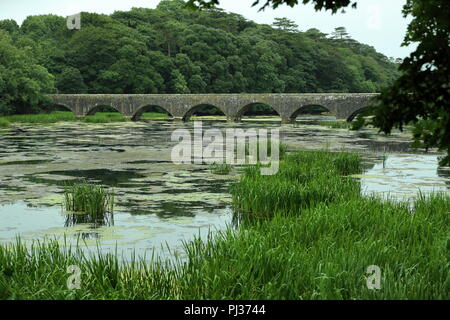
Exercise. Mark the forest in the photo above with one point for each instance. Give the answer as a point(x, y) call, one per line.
point(172, 49)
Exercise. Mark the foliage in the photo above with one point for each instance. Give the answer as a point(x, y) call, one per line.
point(171, 49)
point(422, 93)
point(23, 83)
point(333, 5)
point(423, 90)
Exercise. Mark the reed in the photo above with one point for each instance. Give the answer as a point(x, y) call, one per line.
point(220, 168)
point(320, 238)
point(304, 179)
point(88, 203)
point(53, 117)
point(322, 254)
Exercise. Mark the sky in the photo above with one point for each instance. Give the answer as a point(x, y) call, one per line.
point(378, 23)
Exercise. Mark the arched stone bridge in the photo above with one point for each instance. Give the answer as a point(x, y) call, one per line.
point(181, 106)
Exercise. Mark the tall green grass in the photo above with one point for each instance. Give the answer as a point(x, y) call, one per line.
point(4, 123)
point(322, 254)
point(317, 244)
point(220, 168)
point(304, 180)
point(282, 151)
point(61, 116)
point(53, 117)
point(88, 198)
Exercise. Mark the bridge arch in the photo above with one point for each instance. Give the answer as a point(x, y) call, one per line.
point(309, 109)
point(356, 113)
point(242, 111)
point(188, 114)
point(150, 108)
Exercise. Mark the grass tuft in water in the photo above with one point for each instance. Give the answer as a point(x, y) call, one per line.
point(220, 168)
point(93, 202)
point(304, 180)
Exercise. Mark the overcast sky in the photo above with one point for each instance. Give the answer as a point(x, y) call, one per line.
point(378, 23)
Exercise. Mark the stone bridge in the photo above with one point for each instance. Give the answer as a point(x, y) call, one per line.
point(344, 106)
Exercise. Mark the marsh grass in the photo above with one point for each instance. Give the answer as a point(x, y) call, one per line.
point(88, 203)
point(220, 168)
point(53, 117)
point(310, 243)
point(322, 254)
point(304, 180)
point(283, 149)
point(63, 116)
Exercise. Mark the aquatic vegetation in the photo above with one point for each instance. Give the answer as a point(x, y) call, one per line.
point(336, 124)
point(283, 148)
point(304, 179)
point(4, 123)
point(220, 168)
point(88, 199)
point(314, 242)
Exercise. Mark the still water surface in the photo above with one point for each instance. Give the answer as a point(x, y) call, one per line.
point(159, 204)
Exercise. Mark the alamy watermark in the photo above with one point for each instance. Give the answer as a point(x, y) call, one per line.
point(373, 277)
point(74, 22)
point(74, 280)
point(235, 147)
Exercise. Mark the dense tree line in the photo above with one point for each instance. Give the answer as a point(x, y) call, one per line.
point(172, 49)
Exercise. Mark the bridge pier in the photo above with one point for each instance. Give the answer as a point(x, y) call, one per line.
point(286, 120)
point(233, 119)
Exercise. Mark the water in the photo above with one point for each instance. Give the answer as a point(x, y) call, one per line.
point(158, 204)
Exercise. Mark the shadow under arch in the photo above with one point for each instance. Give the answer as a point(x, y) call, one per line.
point(356, 113)
point(310, 109)
point(203, 109)
point(255, 109)
point(158, 113)
point(62, 108)
point(101, 108)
